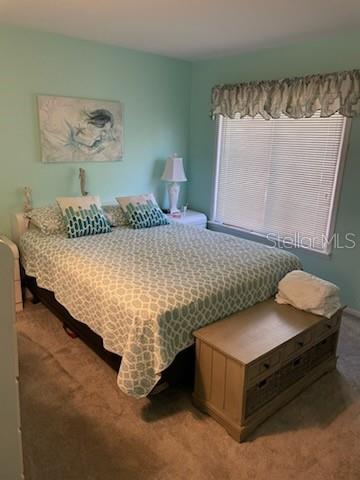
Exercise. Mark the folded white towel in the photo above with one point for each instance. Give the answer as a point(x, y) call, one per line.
point(307, 292)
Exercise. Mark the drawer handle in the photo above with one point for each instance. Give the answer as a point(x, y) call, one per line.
point(329, 325)
point(301, 344)
point(266, 365)
point(262, 383)
point(296, 362)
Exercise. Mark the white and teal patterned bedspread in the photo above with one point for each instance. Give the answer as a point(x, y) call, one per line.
point(145, 291)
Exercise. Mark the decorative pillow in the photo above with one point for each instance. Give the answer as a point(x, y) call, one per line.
point(136, 199)
point(142, 211)
point(47, 219)
point(83, 216)
point(115, 215)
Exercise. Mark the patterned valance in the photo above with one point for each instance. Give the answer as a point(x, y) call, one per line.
point(294, 97)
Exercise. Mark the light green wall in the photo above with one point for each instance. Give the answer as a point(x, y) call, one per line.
point(327, 55)
point(154, 90)
point(158, 96)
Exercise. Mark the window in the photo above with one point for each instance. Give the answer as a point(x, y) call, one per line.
point(279, 178)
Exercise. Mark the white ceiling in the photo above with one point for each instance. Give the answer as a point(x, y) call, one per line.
point(186, 28)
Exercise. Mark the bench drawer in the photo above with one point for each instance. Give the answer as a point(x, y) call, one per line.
point(261, 393)
point(327, 326)
point(297, 344)
point(263, 365)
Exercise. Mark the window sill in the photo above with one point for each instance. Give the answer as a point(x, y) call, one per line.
point(255, 237)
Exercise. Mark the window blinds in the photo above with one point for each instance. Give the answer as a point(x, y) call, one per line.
point(278, 177)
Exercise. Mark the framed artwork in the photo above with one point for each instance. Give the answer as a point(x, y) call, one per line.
point(80, 129)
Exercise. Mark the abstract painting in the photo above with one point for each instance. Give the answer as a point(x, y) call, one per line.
point(80, 130)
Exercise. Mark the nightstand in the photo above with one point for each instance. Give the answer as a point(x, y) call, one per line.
point(190, 217)
point(17, 279)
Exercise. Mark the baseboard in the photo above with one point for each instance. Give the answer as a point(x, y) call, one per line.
point(352, 311)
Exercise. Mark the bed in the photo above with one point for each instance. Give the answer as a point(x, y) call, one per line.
point(144, 292)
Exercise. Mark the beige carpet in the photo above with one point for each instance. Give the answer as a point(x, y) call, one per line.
point(78, 425)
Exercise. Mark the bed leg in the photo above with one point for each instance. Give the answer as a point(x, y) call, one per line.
point(69, 332)
point(35, 300)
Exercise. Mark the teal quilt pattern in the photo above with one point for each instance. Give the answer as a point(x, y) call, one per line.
point(145, 291)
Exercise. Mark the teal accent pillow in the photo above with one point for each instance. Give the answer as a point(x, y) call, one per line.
point(85, 221)
point(145, 215)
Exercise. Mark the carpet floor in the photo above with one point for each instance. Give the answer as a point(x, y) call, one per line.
point(77, 424)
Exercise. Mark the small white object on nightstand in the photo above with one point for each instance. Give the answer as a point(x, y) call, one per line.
point(17, 279)
point(190, 217)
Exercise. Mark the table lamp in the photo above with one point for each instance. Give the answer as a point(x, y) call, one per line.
point(174, 173)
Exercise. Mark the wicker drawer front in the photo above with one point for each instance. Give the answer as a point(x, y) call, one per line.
point(264, 365)
point(297, 344)
point(265, 390)
point(323, 349)
point(293, 371)
point(327, 326)
point(261, 393)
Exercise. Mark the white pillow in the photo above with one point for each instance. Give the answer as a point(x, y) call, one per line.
point(77, 203)
point(136, 200)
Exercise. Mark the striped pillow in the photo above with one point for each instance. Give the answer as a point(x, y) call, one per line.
point(145, 215)
point(86, 221)
point(83, 216)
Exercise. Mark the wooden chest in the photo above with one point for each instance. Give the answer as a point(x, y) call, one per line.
point(251, 363)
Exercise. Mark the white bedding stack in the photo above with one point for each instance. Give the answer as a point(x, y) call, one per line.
point(307, 292)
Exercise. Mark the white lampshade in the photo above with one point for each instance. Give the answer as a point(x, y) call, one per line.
point(174, 170)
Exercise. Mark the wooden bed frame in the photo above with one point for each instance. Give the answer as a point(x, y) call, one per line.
point(181, 370)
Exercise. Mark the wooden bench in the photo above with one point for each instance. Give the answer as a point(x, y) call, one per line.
point(252, 363)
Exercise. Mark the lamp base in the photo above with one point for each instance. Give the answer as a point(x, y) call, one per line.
point(173, 190)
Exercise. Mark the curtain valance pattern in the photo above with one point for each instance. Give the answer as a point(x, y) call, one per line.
point(294, 97)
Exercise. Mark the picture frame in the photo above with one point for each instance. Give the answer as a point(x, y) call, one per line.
point(75, 129)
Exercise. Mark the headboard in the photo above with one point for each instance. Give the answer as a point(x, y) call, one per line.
point(19, 225)
point(19, 221)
